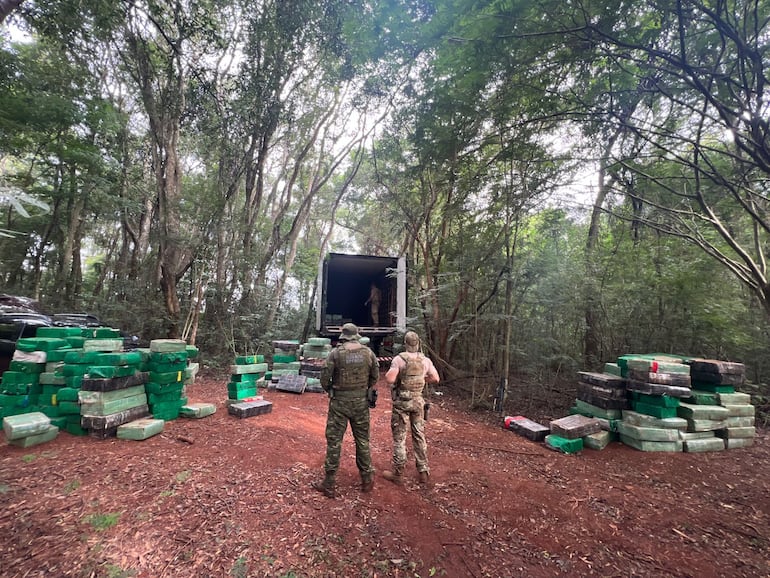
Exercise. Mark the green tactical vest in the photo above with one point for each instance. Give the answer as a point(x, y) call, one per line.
point(352, 366)
point(412, 377)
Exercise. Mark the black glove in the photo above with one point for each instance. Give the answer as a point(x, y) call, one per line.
point(371, 397)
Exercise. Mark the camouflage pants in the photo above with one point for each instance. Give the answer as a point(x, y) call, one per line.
point(342, 411)
point(408, 413)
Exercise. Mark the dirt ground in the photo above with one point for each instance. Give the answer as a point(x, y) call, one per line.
point(222, 496)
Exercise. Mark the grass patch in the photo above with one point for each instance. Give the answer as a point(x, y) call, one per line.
point(101, 522)
point(240, 569)
point(182, 476)
point(27, 458)
point(118, 572)
point(71, 487)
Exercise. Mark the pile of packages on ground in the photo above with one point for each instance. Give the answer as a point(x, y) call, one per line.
point(80, 380)
point(653, 403)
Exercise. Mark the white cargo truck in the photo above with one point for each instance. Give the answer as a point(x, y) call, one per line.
point(344, 286)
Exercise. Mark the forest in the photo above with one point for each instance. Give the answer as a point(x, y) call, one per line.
point(570, 181)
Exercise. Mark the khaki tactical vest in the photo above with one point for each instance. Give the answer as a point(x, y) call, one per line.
point(412, 377)
point(352, 366)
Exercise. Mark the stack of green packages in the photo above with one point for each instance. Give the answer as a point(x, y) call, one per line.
point(314, 354)
point(100, 360)
point(285, 358)
point(22, 385)
point(167, 366)
point(245, 376)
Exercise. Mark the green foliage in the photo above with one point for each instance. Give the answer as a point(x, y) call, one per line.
point(102, 521)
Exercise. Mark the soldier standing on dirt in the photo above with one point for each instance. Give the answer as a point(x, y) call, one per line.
point(349, 378)
point(407, 377)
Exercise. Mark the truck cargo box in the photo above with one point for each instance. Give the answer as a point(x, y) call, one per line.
point(344, 283)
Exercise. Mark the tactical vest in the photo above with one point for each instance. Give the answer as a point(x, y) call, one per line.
point(412, 376)
point(352, 367)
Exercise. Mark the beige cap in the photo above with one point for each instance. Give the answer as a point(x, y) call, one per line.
point(349, 332)
point(412, 341)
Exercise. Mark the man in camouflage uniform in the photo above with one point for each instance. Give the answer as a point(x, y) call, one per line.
point(407, 376)
point(351, 371)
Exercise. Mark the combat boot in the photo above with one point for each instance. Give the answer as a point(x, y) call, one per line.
point(367, 483)
point(327, 487)
point(424, 478)
point(396, 476)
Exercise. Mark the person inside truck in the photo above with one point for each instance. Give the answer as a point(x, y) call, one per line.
point(375, 297)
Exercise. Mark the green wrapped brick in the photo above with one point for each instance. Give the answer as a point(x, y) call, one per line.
point(60, 421)
point(655, 366)
point(733, 398)
point(88, 397)
point(654, 410)
point(168, 356)
point(742, 410)
point(111, 371)
point(597, 440)
point(701, 425)
point(659, 400)
point(103, 345)
point(68, 407)
point(58, 332)
point(72, 369)
point(27, 367)
point(11, 378)
point(284, 358)
point(40, 343)
point(157, 398)
point(649, 446)
point(168, 345)
point(167, 377)
point(736, 432)
point(67, 394)
point(127, 358)
point(192, 352)
point(115, 406)
point(197, 410)
point(249, 359)
point(242, 393)
point(731, 421)
point(245, 377)
point(652, 434)
point(26, 424)
point(140, 429)
point(246, 369)
point(166, 367)
point(36, 439)
point(699, 397)
point(57, 355)
point(711, 444)
point(590, 410)
point(241, 385)
point(711, 412)
point(564, 445)
point(713, 387)
point(51, 379)
point(75, 429)
point(162, 388)
point(102, 333)
point(73, 381)
point(76, 341)
point(80, 357)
